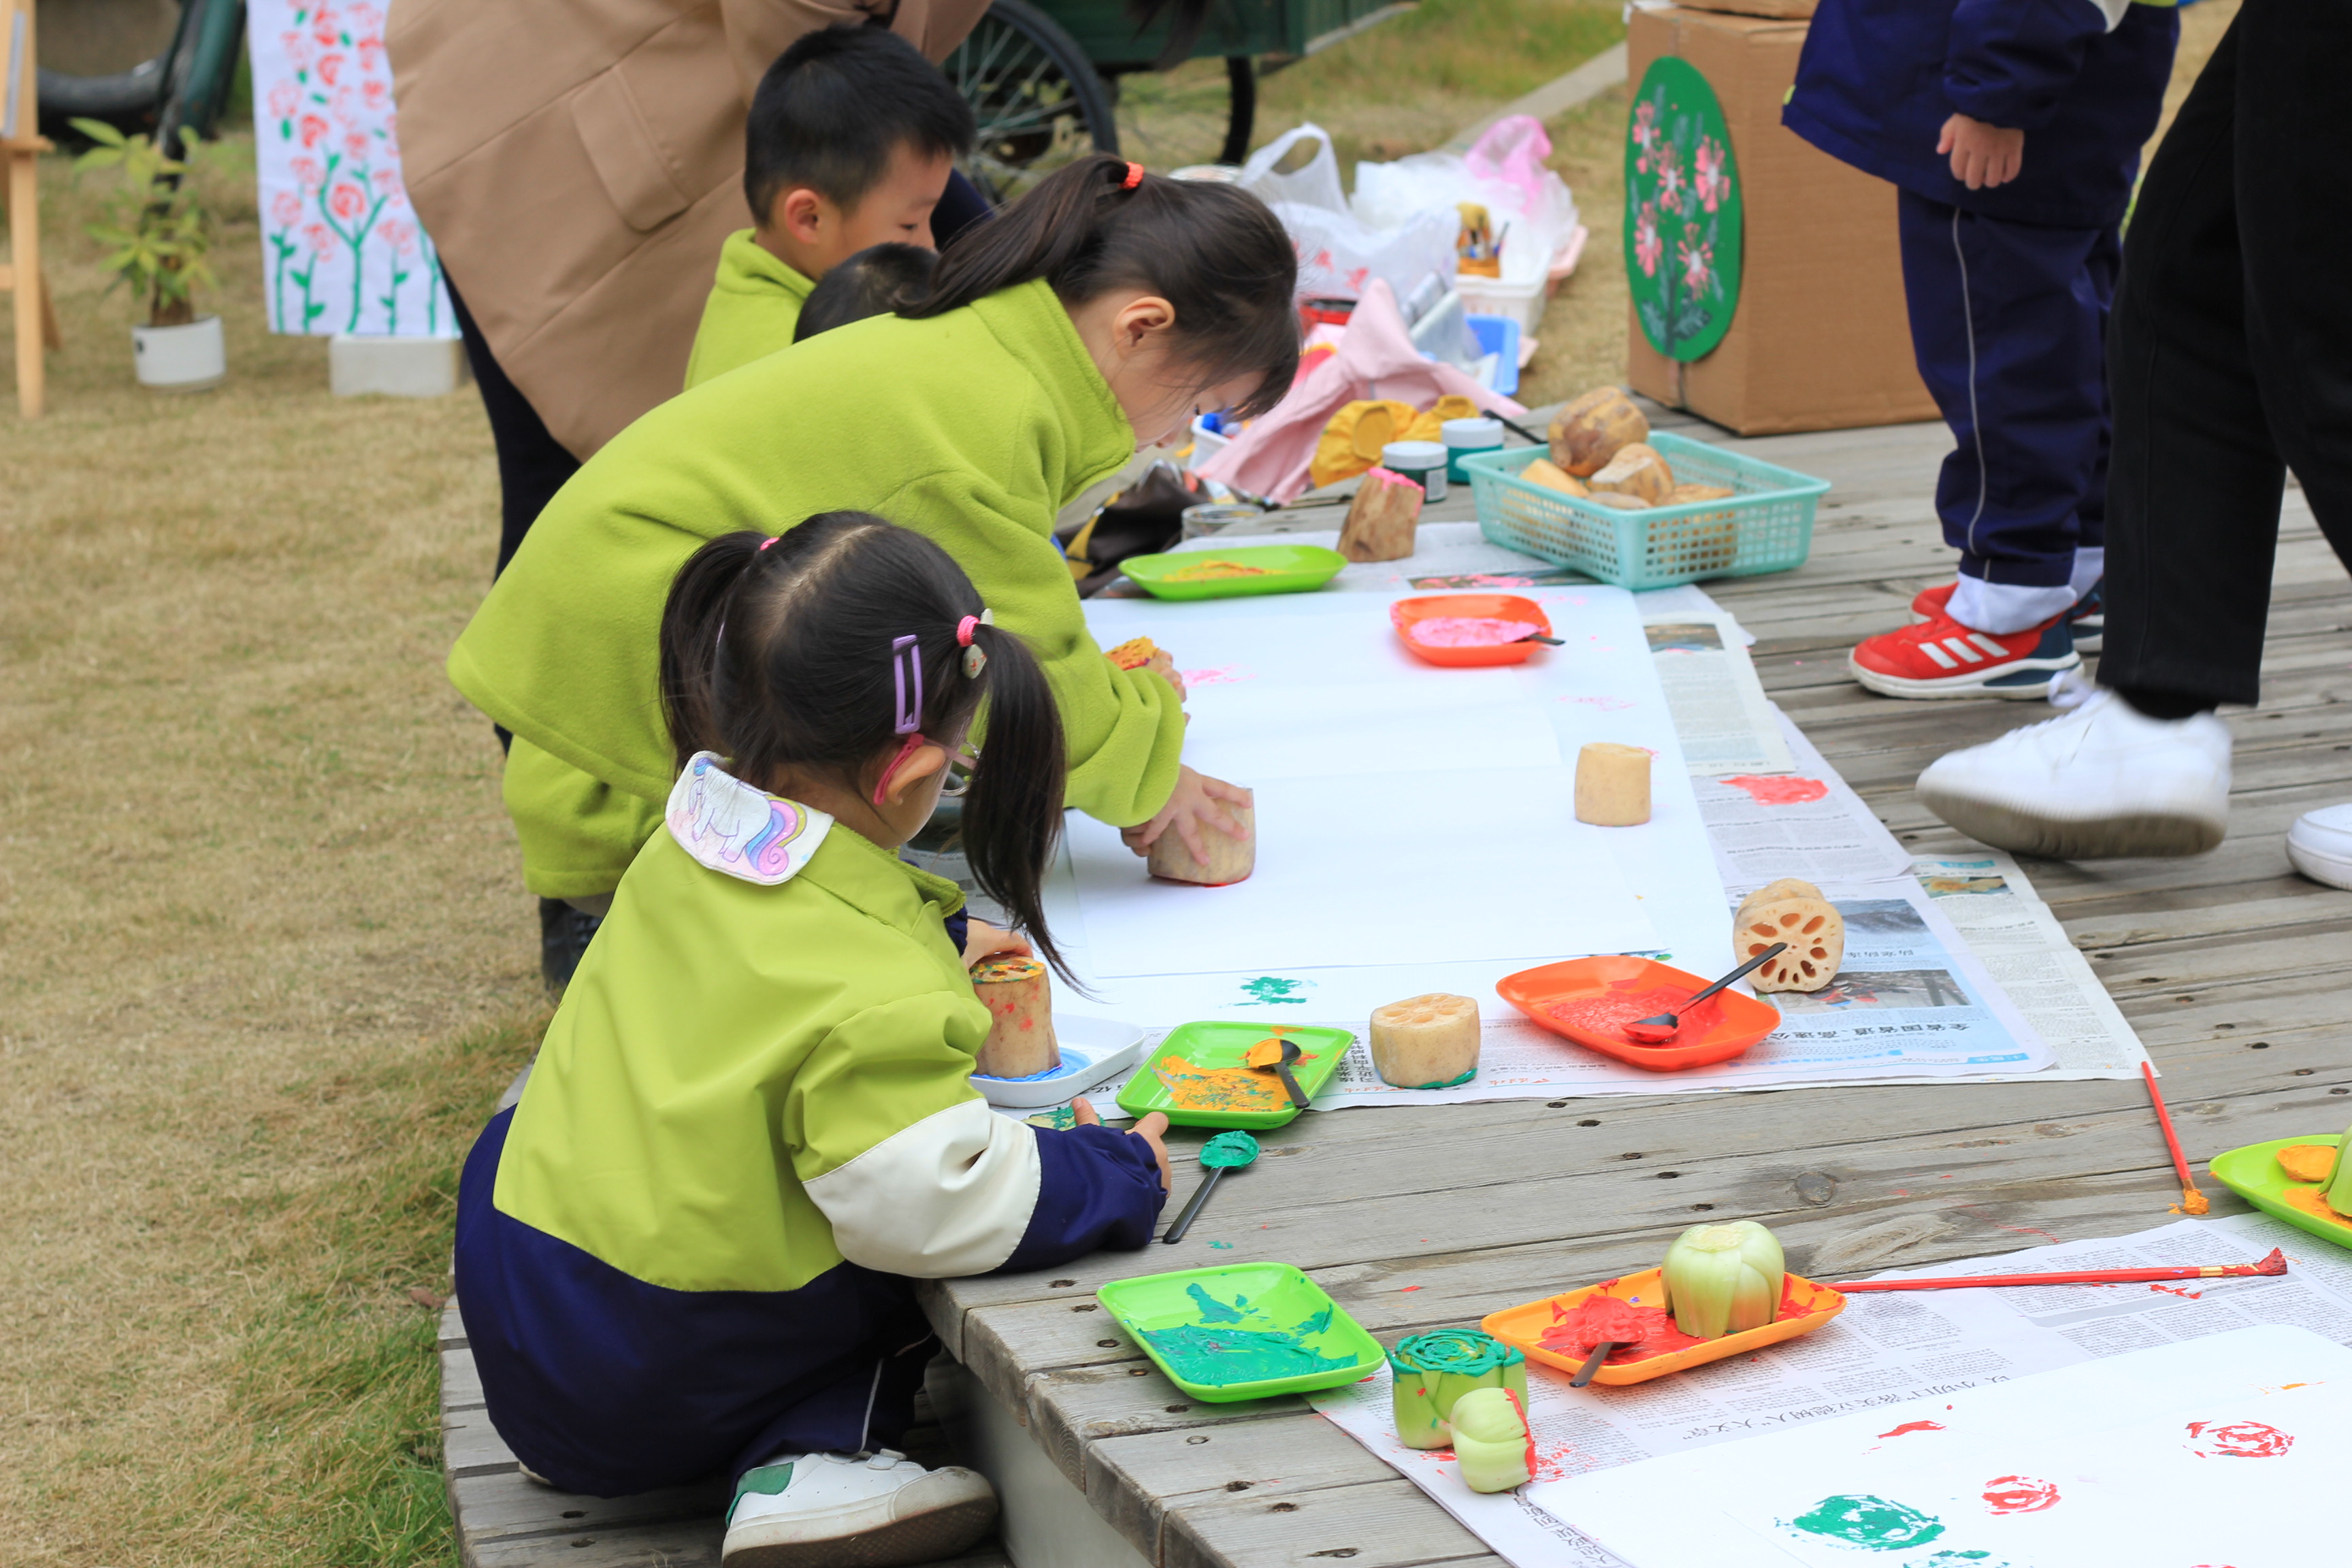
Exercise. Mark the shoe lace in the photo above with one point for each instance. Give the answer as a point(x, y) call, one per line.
point(885, 1459)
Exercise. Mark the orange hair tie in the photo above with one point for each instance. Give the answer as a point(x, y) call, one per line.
point(1134, 177)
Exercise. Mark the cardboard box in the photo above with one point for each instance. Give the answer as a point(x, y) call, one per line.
point(1820, 340)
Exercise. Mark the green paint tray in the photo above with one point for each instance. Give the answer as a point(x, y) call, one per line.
point(1256, 1315)
point(1282, 569)
point(2253, 1172)
point(1220, 1048)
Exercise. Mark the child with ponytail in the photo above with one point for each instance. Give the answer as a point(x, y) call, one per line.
point(692, 1246)
point(1085, 322)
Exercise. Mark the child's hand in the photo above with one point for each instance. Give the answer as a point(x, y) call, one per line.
point(1152, 1130)
point(1982, 155)
point(981, 940)
point(1162, 665)
point(1193, 804)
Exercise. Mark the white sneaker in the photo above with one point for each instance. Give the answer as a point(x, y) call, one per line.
point(2101, 782)
point(2320, 844)
point(852, 1510)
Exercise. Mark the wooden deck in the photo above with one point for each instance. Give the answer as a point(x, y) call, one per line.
point(2228, 965)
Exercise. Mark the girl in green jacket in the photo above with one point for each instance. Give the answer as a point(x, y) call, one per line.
point(1086, 321)
point(692, 1246)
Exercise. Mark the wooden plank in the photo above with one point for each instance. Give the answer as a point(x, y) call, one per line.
point(1136, 1482)
point(1380, 1524)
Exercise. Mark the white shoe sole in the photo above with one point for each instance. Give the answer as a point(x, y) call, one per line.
point(924, 1538)
point(1973, 685)
point(2023, 831)
point(2334, 870)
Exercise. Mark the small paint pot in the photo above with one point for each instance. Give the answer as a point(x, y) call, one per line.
point(1423, 462)
point(1216, 517)
point(1464, 437)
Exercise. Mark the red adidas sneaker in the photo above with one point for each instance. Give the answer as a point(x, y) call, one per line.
point(1941, 658)
point(2087, 621)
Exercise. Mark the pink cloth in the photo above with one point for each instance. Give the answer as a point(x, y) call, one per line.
point(1376, 360)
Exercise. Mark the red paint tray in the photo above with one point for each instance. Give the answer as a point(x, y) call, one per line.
point(1523, 1327)
point(1742, 1022)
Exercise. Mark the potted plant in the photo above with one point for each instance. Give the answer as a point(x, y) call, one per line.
point(160, 235)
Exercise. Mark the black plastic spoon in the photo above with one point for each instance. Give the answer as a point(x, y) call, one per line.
point(1660, 1027)
point(1264, 1060)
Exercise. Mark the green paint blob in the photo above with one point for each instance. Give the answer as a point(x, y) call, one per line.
point(1229, 1150)
point(1268, 988)
point(1215, 1311)
point(1860, 1519)
point(1465, 1353)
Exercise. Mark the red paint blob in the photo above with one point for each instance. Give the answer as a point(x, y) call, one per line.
point(1609, 1012)
point(2237, 1440)
point(1910, 1426)
point(2018, 1494)
point(1639, 1332)
point(1778, 791)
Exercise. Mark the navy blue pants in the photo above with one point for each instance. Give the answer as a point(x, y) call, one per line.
point(607, 1386)
point(2008, 326)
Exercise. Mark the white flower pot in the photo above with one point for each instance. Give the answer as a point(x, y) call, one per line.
point(181, 359)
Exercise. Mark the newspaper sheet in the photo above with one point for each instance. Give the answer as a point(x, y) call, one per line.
point(1807, 823)
point(1883, 1349)
point(1727, 724)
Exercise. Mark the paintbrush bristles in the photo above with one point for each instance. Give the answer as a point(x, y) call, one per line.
point(2274, 1264)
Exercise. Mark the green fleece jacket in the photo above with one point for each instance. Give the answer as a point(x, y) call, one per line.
point(974, 427)
point(755, 302)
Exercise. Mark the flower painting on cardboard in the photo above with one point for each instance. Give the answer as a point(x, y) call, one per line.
point(1681, 212)
point(342, 246)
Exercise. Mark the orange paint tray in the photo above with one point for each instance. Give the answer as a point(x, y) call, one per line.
point(1406, 613)
point(1742, 1021)
point(1523, 1327)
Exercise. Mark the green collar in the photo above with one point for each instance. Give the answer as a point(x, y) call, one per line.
point(861, 873)
point(745, 267)
point(1030, 323)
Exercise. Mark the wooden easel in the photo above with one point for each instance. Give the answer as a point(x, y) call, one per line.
point(20, 139)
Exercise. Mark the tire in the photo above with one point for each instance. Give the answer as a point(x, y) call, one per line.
point(185, 87)
point(1038, 100)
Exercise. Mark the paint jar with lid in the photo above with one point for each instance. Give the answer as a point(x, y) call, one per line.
point(1464, 437)
point(1423, 462)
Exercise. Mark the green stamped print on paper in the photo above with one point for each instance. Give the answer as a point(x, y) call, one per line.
point(1681, 212)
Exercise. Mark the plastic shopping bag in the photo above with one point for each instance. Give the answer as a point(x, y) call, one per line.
point(1277, 174)
point(1504, 173)
point(1339, 257)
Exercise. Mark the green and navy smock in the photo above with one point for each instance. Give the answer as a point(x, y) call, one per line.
point(690, 1243)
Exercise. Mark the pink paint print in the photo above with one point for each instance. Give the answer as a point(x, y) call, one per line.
point(1217, 675)
point(1780, 790)
point(1910, 1426)
point(2237, 1440)
point(2018, 1494)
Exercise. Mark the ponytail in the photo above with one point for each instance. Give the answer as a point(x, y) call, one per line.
point(1013, 814)
point(1215, 252)
point(691, 624)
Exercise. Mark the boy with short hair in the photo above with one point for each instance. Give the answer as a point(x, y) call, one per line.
point(2011, 130)
point(851, 139)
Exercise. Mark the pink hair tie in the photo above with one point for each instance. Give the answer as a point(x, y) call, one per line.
point(974, 660)
point(1134, 177)
point(767, 542)
point(963, 630)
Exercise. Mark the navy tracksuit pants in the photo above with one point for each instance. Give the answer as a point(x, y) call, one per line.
point(2008, 326)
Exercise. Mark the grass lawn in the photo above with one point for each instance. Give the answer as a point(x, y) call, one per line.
point(246, 1039)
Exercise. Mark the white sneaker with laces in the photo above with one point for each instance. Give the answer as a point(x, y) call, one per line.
point(2320, 844)
point(2098, 783)
point(854, 1511)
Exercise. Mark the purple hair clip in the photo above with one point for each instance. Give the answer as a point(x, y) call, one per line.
point(907, 672)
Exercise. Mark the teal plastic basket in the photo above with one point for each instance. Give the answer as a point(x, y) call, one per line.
point(1766, 526)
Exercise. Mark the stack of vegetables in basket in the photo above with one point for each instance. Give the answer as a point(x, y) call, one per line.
point(1600, 450)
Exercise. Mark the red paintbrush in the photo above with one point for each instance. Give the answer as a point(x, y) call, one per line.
point(2274, 1264)
point(2191, 1200)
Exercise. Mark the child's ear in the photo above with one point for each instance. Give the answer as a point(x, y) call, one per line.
point(919, 766)
point(798, 211)
point(1139, 318)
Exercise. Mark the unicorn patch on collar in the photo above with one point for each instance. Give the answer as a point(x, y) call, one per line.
point(743, 832)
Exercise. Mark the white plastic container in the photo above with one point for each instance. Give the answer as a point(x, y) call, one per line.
point(1522, 292)
point(187, 358)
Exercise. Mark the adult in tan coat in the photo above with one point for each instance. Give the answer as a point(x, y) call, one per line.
point(579, 162)
point(579, 165)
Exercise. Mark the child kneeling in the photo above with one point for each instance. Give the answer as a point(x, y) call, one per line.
point(692, 1246)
